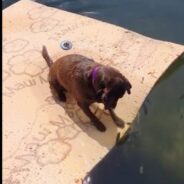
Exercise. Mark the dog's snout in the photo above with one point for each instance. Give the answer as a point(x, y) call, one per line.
point(113, 105)
point(110, 104)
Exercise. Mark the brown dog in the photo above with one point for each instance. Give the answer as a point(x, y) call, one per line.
point(88, 82)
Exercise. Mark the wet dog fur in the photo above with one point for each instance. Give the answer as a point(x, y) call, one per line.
point(74, 74)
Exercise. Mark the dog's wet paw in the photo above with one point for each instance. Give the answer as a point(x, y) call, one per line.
point(120, 123)
point(100, 127)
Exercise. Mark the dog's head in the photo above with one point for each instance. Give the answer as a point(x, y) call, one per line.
point(110, 85)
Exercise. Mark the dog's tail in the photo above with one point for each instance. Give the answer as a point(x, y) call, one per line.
point(46, 56)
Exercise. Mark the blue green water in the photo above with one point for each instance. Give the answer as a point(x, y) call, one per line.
point(154, 151)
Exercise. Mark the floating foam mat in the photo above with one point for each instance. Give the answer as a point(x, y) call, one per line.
point(45, 142)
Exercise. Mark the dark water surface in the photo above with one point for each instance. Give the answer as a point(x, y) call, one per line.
point(154, 151)
point(161, 19)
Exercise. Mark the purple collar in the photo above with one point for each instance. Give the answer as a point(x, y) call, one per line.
point(94, 73)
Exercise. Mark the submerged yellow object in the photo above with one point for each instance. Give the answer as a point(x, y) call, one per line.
point(46, 142)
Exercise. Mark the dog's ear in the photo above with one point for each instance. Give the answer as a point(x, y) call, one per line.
point(128, 86)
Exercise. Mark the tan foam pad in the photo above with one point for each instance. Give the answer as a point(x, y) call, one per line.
point(49, 143)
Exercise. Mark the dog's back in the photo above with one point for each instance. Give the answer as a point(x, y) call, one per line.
point(68, 69)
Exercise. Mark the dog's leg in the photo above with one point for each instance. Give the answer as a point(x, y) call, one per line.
point(116, 119)
point(57, 91)
point(99, 125)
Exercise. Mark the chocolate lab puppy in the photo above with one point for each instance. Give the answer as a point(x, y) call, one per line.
point(88, 82)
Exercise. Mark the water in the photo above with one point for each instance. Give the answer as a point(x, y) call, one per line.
point(160, 19)
point(154, 152)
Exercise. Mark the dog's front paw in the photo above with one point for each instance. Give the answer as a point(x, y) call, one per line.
point(100, 126)
point(119, 122)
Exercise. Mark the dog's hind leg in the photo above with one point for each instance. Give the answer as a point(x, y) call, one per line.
point(58, 91)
